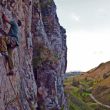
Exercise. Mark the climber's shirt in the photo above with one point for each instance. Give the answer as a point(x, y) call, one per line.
point(13, 32)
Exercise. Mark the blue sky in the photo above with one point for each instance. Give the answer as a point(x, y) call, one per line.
point(88, 31)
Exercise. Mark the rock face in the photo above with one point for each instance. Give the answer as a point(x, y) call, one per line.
point(18, 92)
point(49, 55)
point(42, 50)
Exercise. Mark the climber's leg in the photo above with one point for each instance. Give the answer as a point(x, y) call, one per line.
point(4, 42)
point(10, 61)
point(10, 58)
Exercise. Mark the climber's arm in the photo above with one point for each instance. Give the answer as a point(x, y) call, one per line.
point(5, 19)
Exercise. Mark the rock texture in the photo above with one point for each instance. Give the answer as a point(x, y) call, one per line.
point(18, 92)
point(49, 55)
point(42, 50)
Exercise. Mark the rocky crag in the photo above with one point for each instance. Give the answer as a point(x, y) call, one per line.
point(40, 59)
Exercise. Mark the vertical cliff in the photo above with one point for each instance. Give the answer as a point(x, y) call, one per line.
point(43, 50)
point(49, 54)
point(18, 92)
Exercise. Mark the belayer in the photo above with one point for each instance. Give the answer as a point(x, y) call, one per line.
point(8, 41)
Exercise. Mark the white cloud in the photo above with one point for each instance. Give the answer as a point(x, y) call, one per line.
point(75, 17)
point(87, 49)
point(102, 12)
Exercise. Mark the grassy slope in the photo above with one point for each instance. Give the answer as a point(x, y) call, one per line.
point(80, 100)
point(74, 99)
point(99, 83)
point(102, 91)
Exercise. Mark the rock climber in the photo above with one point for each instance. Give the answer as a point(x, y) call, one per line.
point(9, 41)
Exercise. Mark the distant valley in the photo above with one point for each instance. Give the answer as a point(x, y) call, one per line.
point(89, 90)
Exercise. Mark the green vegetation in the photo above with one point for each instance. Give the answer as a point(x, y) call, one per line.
point(46, 3)
point(78, 94)
point(44, 54)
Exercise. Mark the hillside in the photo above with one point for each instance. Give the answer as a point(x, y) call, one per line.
point(91, 87)
point(101, 81)
point(99, 71)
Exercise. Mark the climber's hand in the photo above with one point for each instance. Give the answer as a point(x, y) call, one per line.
point(5, 18)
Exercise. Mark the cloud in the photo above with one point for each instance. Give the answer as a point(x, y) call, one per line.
point(99, 52)
point(102, 11)
point(87, 49)
point(75, 17)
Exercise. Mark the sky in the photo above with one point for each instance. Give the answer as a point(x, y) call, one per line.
point(87, 23)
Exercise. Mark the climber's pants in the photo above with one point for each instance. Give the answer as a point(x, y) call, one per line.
point(4, 42)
